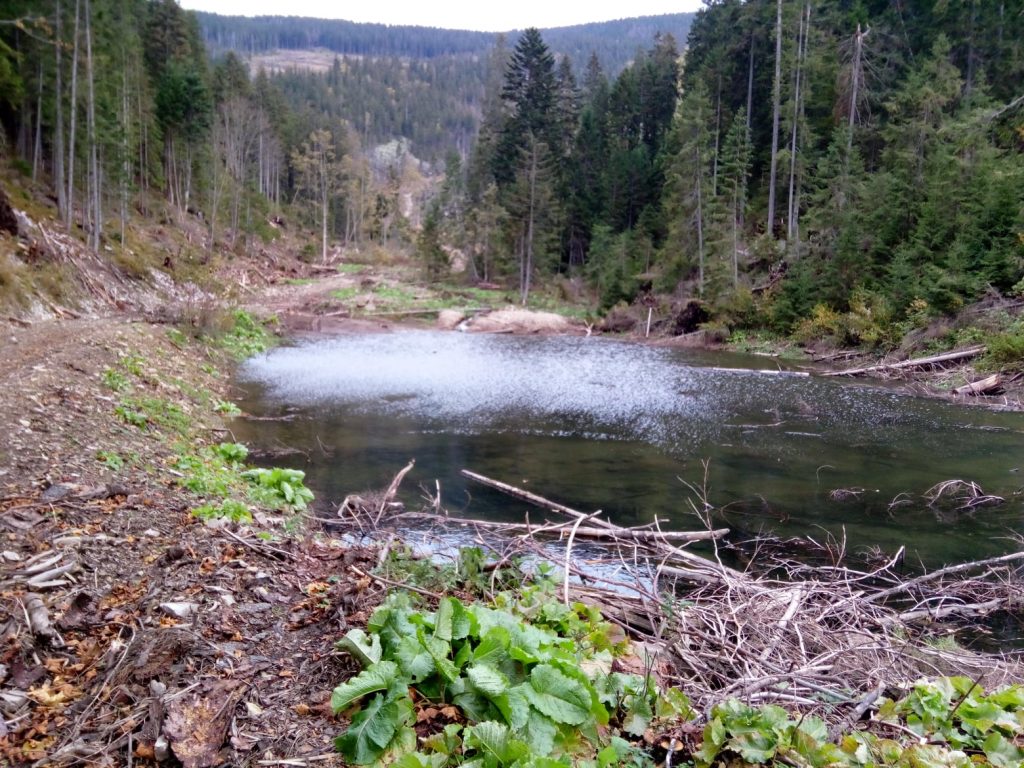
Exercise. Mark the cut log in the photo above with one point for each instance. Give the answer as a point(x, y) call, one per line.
point(948, 357)
point(982, 386)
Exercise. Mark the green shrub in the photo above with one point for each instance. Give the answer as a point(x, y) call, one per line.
point(281, 488)
point(528, 692)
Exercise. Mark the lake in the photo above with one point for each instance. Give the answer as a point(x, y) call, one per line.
point(622, 427)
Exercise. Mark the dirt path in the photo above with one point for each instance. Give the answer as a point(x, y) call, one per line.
point(126, 625)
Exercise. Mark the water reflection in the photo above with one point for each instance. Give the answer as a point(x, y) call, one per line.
point(605, 425)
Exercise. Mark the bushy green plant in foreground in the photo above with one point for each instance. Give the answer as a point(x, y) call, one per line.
point(219, 471)
point(527, 692)
point(532, 684)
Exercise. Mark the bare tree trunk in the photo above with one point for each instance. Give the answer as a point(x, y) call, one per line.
point(856, 75)
point(58, 152)
point(69, 215)
point(37, 149)
point(735, 239)
point(776, 108)
point(528, 245)
point(700, 224)
point(801, 43)
point(95, 192)
point(718, 138)
point(969, 79)
point(126, 162)
point(323, 221)
point(750, 82)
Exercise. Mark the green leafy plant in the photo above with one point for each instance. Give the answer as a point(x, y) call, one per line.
point(280, 487)
point(111, 460)
point(233, 510)
point(133, 363)
point(131, 416)
point(247, 336)
point(115, 380)
point(957, 711)
point(528, 692)
point(227, 408)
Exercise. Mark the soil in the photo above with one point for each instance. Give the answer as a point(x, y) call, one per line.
point(158, 622)
point(129, 630)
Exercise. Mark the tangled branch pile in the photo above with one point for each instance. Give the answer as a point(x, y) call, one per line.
point(825, 639)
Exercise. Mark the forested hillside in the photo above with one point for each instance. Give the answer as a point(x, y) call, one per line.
point(834, 169)
point(808, 166)
point(614, 42)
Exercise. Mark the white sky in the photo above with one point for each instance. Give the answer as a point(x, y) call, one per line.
point(485, 15)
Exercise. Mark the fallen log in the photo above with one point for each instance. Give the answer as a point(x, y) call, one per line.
point(948, 357)
point(717, 570)
point(982, 386)
point(583, 530)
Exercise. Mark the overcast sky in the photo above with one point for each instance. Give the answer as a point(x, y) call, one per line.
point(485, 15)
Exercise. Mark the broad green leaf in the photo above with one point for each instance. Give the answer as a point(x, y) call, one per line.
point(413, 659)
point(673, 703)
point(539, 733)
point(514, 707)
point(493, 647)
point(448, 742)
point(439, 650)
point(379, 677)
point(1002, 752)
point(463, 655)
point(983, 715)
point(370, 732)
point(815, 728)
point(474, 706)
point(636, 723)
point(486, 679)
point(419, 760)
point(364, 648)
point(443, 618)
point(495, 740)
point(755, 746)
point(558, 696)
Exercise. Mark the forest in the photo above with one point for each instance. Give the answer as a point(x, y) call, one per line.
point(819, 168)
point(829, 169)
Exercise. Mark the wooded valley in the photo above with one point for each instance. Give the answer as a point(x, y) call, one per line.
point(819, 168)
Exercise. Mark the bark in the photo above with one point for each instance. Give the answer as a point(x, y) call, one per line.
point(58, 171)
point(804, 31)
point(37, 149)
point(700, 225)
point(95, 196)
point(69, 214)
point(776, 108)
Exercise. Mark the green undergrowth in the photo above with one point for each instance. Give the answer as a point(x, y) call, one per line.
point(217, 473)
point(522, 680)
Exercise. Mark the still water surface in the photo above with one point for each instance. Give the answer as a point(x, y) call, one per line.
point(600, 424)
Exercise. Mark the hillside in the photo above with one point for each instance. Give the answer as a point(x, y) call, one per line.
point(614, 42)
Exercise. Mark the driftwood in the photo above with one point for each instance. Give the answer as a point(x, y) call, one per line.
point(919, 362)
point(816, 639)
point(706, 568)
point(981, 387)
point(642, 534)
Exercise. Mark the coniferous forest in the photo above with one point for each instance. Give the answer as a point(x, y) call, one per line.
point(815, 167)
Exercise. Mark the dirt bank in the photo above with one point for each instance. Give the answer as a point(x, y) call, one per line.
point(129, 626)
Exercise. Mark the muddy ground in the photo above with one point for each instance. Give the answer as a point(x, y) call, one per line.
point(127, 627)
point(130, 632)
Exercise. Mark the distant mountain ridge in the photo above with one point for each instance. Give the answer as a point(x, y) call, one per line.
point(614, 42)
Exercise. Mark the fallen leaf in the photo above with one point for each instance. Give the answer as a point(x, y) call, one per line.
point(145, 751)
